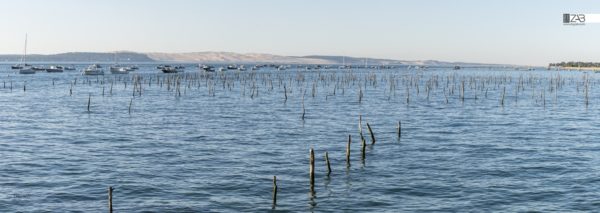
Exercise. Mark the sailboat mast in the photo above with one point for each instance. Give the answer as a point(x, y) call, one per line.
point(24, 51)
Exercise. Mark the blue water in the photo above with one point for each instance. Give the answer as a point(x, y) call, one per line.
point(215, 145)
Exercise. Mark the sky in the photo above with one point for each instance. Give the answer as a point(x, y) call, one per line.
point(496, 31)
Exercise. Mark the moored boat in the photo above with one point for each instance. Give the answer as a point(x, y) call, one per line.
point(40, 68)
point(93, 69)
point(55, 69)
point(26, 69)
point(169, 69)
point(119, 70)
point(207, 68)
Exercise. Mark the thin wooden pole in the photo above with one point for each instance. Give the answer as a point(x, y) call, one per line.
point(110, 204)
point(364, 145)
point(130, 102)
point(274, 191)
point(348, 151)
point(285, 93)
point(371, 132)
point(327, 162)
point(89, 101)
point(399, 128)
point(360, 127)
point(312, 170)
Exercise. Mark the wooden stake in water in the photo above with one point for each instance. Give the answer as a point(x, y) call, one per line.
point(285, 93)
point(89, 101)
point(312, 170)
point(348, 151)
point(327, 162)
point(362, 138)
point(371, 132)
point(364, 145)
point(110, 204)
point(130, 102)
point(399, 128)
point(274, 191)
point(303, 110)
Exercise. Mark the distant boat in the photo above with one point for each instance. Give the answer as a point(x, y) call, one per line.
point(16, 66)
point(207, 68)
point(456, 67)
point(242, 68)
point(222, 69)
point(69, 68)
point(117, 68)
point(55, 69)
point(93, 69)
point(40, 68)
point(170, 69)
point(25, 69)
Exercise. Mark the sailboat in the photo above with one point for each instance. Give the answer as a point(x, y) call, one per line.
point(94, 69)
point(25, 69)
point(117, 68)
point(343, 63)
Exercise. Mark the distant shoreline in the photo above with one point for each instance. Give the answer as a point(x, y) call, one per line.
point(581, 68)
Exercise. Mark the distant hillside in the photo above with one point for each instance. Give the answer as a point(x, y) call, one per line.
point(229, 57)
point(81, 57)
point(375, 61)
point(353, 60)
point(220, 57)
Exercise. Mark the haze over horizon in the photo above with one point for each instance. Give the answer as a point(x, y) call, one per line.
point(500, 32)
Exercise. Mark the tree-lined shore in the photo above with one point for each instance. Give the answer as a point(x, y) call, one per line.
point(577, 64)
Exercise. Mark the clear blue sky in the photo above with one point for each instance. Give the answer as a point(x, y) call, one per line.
point(502, 31)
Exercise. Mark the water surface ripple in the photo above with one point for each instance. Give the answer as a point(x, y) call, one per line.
point(216, 147)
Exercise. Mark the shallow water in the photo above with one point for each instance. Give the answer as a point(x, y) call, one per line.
point(218, 151)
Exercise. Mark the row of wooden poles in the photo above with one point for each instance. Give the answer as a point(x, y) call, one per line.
point(327, 162)
point(311, 163)
point(478, 86)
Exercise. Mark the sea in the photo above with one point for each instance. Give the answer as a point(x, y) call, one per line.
point(475, 139)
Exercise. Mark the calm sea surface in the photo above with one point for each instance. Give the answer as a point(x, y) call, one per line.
point(214, 143)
